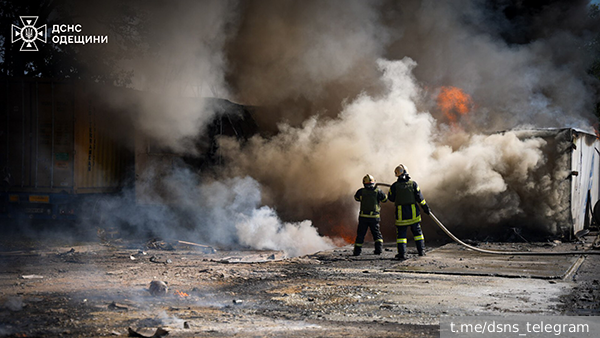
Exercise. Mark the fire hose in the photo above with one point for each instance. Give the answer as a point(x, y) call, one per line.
point(495, 252)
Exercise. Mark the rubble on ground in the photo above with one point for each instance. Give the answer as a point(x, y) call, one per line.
point(103, 292)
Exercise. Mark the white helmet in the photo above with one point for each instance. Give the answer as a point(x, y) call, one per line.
point(368, 179)
point(400, 170)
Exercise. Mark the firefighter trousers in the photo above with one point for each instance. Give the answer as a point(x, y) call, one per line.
point(365, 223)
point(401, 232)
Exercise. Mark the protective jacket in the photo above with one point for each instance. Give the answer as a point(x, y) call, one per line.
point(405, 194)
point(370, 201)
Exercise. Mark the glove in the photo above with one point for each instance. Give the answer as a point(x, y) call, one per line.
point(426, 209)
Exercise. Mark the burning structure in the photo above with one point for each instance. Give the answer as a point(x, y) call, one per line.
point(554, 197)
point(339, 102)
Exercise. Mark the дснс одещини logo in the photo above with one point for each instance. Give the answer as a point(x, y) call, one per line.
point(29, 33)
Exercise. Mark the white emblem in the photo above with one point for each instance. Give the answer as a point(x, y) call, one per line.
point(29, 33)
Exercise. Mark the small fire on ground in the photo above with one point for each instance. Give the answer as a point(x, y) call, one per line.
point(181, 294)
point(344, 233)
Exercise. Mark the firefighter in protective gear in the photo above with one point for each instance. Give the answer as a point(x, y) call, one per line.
point(405, 194)
point(370, 199)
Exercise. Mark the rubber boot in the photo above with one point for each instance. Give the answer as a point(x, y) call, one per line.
point(357, 251)
point(378, 246)
point(401, 252)
point(420, 247)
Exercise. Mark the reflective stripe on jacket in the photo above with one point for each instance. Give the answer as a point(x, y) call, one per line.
point(405, 194)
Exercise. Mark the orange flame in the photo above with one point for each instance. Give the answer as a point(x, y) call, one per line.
point(335, 224)
point(344, 233)
point(453, 102)
point(181, 294)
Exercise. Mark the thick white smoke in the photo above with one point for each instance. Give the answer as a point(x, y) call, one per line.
point(264, 230)
point(228, 212)
point(232, 213)
point(323, 161)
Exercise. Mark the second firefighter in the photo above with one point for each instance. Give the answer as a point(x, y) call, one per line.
point(406, 195)
point(370, 199)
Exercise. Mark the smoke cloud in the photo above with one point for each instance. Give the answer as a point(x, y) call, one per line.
point(321, 163)
point(225, 213)
point(300, 58)
point(542, 83)
point(347, 88)
point(324, 159)
point(171, 54)
point(470, 177)
point(185, 60)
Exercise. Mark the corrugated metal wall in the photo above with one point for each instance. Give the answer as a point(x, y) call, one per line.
point(101, 163)
point(51, 139)
point(585, 163)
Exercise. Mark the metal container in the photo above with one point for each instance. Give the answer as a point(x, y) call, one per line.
point(56, 147)
point(571, 173)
